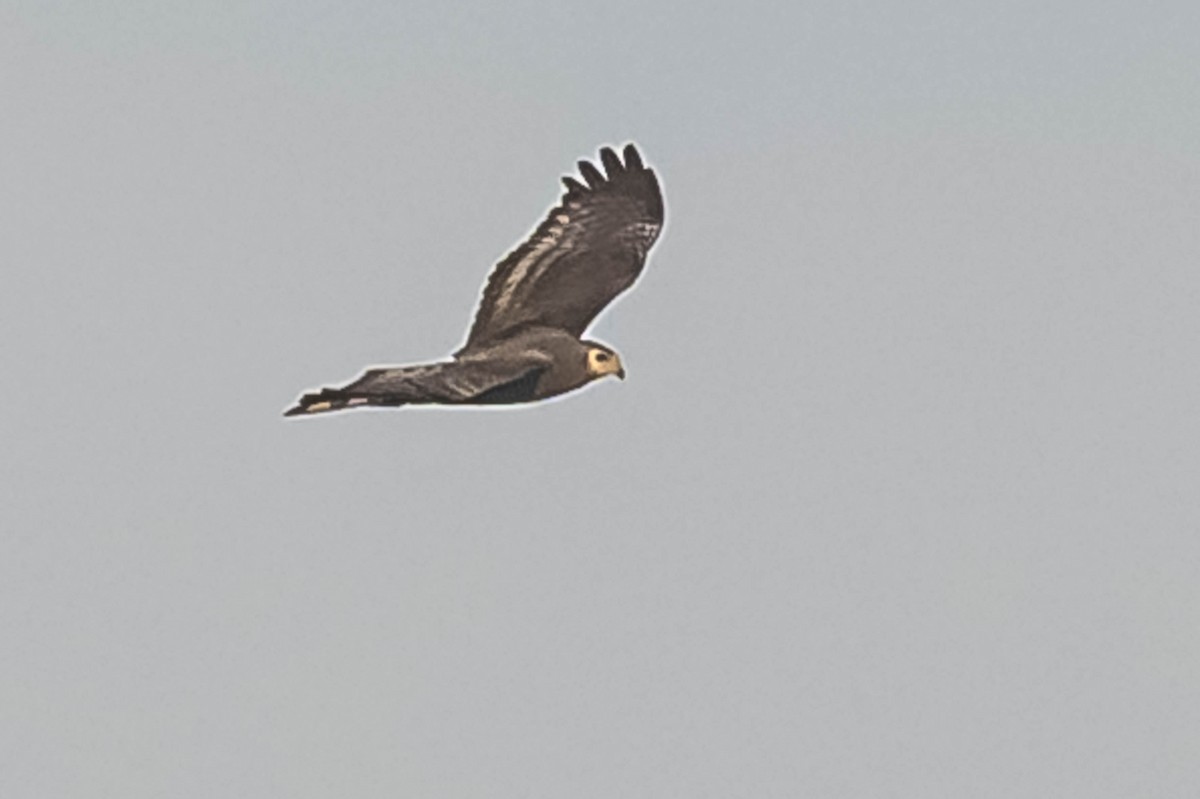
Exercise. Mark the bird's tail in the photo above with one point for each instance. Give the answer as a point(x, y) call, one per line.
point(328, 400)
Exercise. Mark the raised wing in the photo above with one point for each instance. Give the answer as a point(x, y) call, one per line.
point(587, 250)
point(476, 381)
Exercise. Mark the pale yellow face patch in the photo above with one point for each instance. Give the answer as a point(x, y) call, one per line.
point(317, 407)
point(602, 362)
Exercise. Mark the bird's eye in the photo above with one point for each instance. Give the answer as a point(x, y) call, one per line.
point(601, 357)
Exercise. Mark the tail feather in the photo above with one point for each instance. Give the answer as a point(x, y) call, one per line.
point(446, 382)
point(333, 399)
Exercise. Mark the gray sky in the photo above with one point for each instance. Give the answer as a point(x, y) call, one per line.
point(899, 499)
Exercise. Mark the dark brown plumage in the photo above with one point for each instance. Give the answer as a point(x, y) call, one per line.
point(525, 342)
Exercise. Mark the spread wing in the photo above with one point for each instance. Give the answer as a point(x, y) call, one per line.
point(475, 381)
point(587, 250)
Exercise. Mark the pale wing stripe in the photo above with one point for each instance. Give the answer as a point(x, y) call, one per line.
point(566, 244)
point(549, 242)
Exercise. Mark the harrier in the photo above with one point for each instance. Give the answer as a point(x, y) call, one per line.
point(526, 343)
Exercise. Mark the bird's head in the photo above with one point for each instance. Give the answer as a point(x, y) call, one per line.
point(602, 361)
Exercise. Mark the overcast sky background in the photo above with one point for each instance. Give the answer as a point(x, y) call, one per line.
point(899, 499)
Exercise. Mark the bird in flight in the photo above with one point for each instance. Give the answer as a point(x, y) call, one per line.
point(526, 342)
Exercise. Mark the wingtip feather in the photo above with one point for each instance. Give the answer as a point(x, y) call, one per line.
point(616, 166)
point(591, 174)
point(612, 164)
point(633, 159)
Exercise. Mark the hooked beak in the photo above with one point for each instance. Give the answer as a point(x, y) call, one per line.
point(620, 373)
